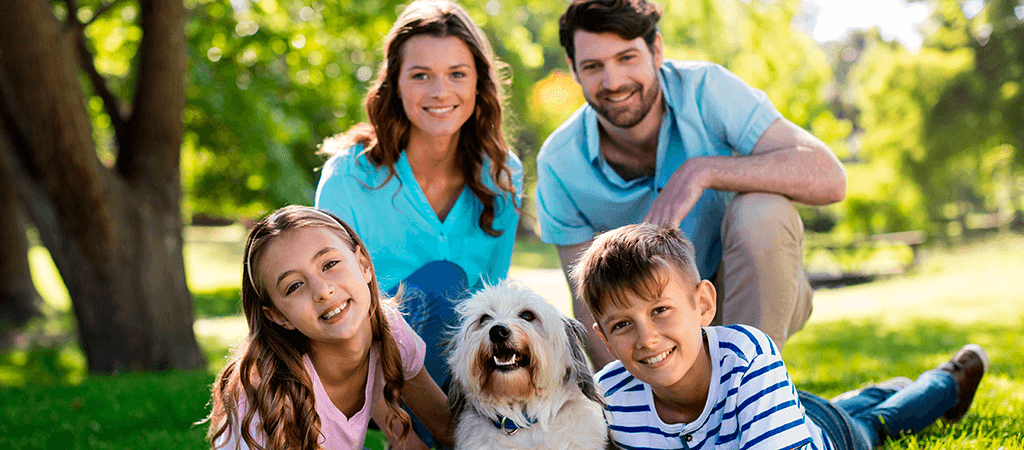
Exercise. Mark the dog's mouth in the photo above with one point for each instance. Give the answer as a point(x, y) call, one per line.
point(506, 359)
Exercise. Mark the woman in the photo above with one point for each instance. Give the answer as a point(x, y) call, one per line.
point(432, 163)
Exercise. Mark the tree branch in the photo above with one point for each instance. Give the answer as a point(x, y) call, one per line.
point(14, 144)
point(111, 104)
point(101, 11)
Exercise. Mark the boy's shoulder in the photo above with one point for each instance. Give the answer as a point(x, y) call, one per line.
point(743, 341)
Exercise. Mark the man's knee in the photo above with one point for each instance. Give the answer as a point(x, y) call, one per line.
point(762, 221)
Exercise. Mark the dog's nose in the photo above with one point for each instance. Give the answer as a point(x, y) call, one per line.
point(500, 333)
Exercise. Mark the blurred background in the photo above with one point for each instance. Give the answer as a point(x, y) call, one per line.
point(922, 101)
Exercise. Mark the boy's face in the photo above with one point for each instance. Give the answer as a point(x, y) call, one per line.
point(659, 340)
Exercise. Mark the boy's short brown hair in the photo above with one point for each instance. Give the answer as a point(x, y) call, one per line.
point(633, 259)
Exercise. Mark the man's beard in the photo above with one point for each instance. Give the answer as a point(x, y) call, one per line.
point(625, 116)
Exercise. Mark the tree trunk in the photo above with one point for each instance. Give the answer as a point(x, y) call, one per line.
point(19, 300)
point(115, 234)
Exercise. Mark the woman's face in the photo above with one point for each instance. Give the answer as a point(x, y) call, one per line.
point(437, 85)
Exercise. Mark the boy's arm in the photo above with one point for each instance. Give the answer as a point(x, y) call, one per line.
point(596, 351)
point(768, 412)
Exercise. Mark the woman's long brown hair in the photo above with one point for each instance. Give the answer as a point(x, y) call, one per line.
point(387, 134)
point(267, 371)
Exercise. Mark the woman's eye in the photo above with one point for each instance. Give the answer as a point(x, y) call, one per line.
point(292, 287)
point(419, 76)
point(330, 264)
point(458, 74)
point(527, 316)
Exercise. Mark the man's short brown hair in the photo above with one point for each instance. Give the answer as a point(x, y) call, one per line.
point(633, 259)
point(628, 19)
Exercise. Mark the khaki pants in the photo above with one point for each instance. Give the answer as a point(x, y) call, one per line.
point(761, 281)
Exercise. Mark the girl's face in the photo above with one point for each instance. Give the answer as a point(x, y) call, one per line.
point(437, 84)
point(317, 285)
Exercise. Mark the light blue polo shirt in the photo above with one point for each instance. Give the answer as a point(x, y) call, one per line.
point(709, 112)
point(400, 229)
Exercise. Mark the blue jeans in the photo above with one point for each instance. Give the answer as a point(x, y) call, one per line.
point(865, 420)
point(428, 304)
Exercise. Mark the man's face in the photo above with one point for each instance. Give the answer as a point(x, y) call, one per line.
point(619, 77)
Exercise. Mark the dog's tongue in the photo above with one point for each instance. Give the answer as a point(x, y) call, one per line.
point(505, 360)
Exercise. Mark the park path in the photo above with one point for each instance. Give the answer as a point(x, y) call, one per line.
point(549, 283)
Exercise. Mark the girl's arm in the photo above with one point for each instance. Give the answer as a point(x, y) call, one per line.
point(428, 402)
point(380, 415)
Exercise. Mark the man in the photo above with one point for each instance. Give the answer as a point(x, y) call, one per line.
point(684, 143)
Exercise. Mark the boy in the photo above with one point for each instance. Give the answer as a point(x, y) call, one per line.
point(680, 384)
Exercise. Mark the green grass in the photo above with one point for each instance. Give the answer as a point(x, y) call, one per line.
point(857, 335)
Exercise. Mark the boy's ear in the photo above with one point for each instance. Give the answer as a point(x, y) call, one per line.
point(597, 329)
point(705, 297)
point(275, 316)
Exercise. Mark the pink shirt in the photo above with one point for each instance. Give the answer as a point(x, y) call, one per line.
point(349, 432)
point(340, 432)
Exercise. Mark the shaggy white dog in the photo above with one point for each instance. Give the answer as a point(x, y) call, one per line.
point(519, 376)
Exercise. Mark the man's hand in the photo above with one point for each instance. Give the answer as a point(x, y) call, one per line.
point(682, 191)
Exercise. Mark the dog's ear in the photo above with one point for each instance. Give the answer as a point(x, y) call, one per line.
point(456, 402)
point(579, 369)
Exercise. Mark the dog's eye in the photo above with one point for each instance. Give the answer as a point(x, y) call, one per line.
point(483, 319)
point(527, 316)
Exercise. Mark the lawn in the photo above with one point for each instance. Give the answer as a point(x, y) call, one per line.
point(857, 334)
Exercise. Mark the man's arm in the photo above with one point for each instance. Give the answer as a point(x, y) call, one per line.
point(599, 355)
point(786, 160)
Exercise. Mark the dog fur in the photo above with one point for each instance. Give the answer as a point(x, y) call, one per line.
point(520, 379)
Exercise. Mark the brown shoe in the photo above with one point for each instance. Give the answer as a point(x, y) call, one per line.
point(967, 366)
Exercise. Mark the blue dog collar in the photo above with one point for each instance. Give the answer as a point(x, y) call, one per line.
point(509, 426)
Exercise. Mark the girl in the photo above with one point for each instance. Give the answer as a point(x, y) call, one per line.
point(325, 351)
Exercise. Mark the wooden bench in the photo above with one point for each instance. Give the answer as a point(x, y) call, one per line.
point(864, 247)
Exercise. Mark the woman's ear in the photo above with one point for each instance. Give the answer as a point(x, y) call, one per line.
point(705, 298)
point(275, 316)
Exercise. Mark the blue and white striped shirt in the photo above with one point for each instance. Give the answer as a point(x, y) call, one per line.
point(751, 404)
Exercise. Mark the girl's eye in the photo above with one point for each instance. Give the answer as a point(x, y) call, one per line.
point(619, 325)
point(330, 264)
point(660, 310)
point(292, 287)
point(527, 316)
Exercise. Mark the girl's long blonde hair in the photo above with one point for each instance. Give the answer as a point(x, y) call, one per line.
point(267, 370)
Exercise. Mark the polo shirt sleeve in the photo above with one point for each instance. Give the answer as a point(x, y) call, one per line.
point(332, 193)
point(733, 111)
point(561, 222)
